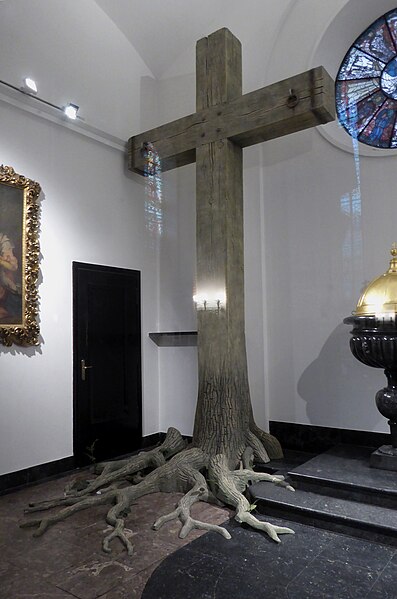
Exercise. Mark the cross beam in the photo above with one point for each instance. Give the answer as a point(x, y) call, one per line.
point(291, 105)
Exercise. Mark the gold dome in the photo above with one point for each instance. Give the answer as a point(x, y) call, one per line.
point(380, 297)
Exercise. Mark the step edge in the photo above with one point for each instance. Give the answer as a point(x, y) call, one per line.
point(339, 518)
point(329, 482)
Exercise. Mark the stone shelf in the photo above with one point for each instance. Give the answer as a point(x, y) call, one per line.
point(175, 339)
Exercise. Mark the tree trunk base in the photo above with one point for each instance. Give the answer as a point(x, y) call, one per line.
point(169, 467)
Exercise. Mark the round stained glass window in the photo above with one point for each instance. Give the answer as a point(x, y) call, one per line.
point(366, 85)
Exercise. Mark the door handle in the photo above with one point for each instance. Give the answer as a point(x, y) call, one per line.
point(83, 369)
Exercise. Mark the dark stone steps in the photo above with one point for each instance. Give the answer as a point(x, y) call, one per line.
point(337, 491)
point(345, 470)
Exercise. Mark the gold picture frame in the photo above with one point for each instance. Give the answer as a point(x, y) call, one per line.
point(19, 258)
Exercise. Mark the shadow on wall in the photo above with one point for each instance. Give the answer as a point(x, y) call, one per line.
point(339, 390)
point(29, 352)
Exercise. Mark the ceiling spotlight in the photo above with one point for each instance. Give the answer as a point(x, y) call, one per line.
point(29, 85)
point(71, 111)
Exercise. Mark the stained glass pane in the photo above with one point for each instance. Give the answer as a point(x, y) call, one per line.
point(388, 79)
point(358, 115)
point(393, 143)
point(380, 129)
point(391, 19)
point(358, 65)
point(377, 42)
point(351, 92)
point(366, 85)
point(153, 189)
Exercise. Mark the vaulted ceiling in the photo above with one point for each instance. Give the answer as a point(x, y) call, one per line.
point(162, 30)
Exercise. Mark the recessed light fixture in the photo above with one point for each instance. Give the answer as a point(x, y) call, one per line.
point(71, 111)
point(29, 85)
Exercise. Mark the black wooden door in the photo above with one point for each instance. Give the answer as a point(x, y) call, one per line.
point(107, 362)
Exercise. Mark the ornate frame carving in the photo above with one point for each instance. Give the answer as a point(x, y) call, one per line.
point(19, 258)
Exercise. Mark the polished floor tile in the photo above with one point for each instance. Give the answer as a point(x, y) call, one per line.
point(313, 563)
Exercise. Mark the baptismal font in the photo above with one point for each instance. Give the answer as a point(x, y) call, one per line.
point(374, 343)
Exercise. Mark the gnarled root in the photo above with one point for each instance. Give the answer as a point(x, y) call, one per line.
point(183, 472)
point(173, 444)
point(231, 484)
point(172, 476)
point(199, 492)
point(258, 448)
point(265, 447)
point(175, 475)
point(74, 505)
point(269, 442)
point(112, 473)
point(115, 517)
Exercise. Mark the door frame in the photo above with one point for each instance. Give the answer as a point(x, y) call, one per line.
point(76, 267)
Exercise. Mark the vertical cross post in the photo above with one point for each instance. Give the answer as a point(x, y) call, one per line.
point(219, 226)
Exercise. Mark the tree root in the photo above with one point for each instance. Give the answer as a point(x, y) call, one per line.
point(200, 492)
point(111, 471)
point(270, 443)
point(230, 485)
point(174, 475)
point(264, 445)
point(74, 505)
point(183, 472)
point(120, 470)
point(258, 448)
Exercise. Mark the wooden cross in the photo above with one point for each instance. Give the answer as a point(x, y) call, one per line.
point(297, 103)
point(225, 122)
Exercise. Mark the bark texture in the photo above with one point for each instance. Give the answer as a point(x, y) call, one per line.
point(224, 422)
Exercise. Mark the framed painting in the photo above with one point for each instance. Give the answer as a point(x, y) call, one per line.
point(19, 258)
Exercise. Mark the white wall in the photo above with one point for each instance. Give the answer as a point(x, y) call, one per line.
point(91, 211)
point(306, 256)
point(318, 258)
point(329, 222)
point(178, 365)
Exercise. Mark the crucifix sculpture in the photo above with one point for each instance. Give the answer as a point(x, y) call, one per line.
point(213, 137)
point(225, 434)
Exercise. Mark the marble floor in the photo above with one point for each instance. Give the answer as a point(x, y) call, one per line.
point(68, 562)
